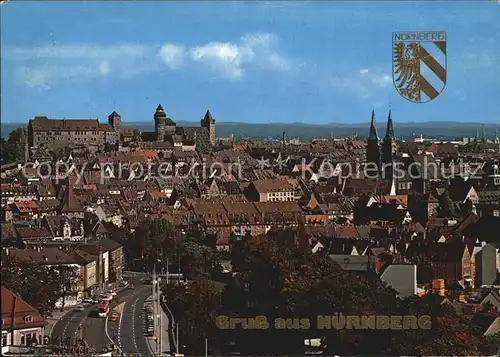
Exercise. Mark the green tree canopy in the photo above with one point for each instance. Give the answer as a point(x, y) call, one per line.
point(39, 286)
point(446, 207)
point(195, 306)
point(276, 280)
point(11, 150)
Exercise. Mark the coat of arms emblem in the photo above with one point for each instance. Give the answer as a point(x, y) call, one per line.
point(419, 64)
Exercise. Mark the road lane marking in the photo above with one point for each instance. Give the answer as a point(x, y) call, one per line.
point(83, 337)
point(134, 340)
point(71, 319)
point(120, 308)
point(107, 334)
point(59, 319)
point(120, 328)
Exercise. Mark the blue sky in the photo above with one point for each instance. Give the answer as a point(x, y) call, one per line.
point(316, 62)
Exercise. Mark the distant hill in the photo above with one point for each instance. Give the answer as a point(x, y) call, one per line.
point(444, 129)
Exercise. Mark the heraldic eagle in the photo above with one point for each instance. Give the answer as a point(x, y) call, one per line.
point(407, 66)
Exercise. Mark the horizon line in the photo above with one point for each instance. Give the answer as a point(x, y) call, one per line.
point(395, 123)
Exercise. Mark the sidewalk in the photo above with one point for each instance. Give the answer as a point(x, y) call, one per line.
point(165, 339)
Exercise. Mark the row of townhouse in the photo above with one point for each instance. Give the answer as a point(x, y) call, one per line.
point(99, 264)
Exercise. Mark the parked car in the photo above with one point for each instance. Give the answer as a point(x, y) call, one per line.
point(79, 308)
point(88, 301)
point(131, 287)
point(107, 297)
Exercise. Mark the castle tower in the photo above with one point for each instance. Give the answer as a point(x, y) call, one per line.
point(372, 148)
point(387, 154)
point(209, 122)
point(114, 119)
point(23, 140)
point(160, 118)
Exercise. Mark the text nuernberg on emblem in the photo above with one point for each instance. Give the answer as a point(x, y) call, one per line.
point(419, 64)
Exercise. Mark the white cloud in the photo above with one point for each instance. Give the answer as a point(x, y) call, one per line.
point(231, 60)
point(279, 62)
point(366, 83)
point(104, 68)
point(45, 65)
point(225, 58)
point(77, 51)
point(172, 55)
point(44, 76)
point(381, 80)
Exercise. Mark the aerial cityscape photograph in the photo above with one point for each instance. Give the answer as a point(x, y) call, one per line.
point(250, 178)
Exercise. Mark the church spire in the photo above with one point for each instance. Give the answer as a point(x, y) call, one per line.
point(373, 128)
point(389, 134)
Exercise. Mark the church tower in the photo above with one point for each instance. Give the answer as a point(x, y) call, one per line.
point(209, 122)
point(387, 154)
point(372, 148)
point(160, 118)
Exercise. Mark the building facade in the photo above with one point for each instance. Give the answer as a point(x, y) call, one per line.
point(60, 133)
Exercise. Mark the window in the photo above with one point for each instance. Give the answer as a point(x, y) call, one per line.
point(4, 340)
point(497, 181)
point(28, 319)
point(28, 338)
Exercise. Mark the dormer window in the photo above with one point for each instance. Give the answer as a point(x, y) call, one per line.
point(28, 319)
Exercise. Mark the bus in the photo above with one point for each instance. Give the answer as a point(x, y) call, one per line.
point(103, 308)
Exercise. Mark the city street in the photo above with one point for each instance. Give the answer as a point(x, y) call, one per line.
point(92, 328)
point(130, 336)
point(67, 326)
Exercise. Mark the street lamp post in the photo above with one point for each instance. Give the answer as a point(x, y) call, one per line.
point(155, 327)
point(157, 320)
point(177, 339)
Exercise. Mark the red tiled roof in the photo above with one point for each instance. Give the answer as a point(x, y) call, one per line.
point(69, 202)
point(15, 307)
point(127, 131)
point(46, 124)
point(105, 127)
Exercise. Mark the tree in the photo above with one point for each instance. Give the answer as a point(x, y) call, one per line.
point(37, 285)
point(11, 151)
point(68, 280)
point(446, 207)
point(60, 153)
point(136, 137)
point(195, 308)
point(152, 243)
point(276, 280)
point(159, 243)
point(108, 147)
